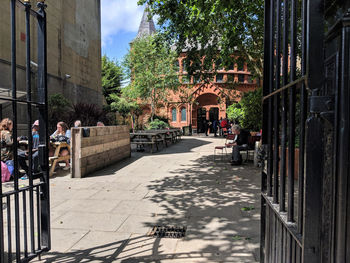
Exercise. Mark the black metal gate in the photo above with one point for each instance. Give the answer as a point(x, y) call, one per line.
point(305, 186)
point(25, 214)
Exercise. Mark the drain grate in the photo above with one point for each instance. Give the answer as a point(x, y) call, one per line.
point(167, 232)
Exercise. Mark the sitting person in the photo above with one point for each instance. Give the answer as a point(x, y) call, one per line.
point(6, 126)
point(23, 155)
point(100, 124)
point(77, 124)
point(64, 133)
point(240, 143)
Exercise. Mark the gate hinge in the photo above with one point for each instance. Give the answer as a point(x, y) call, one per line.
point(324, 106)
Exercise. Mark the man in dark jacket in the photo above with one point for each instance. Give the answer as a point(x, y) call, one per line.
point(215, 127)
point(205, 125)
point(240, 143)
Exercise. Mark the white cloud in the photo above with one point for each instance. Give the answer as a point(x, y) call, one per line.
point(118, 16)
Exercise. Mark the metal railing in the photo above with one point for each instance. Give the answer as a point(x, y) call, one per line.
point(25, 214)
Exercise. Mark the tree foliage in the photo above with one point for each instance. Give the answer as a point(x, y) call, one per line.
point(235, 113)
point(150, 66)
point(157, 125)
point(204, 28)
point(112, 77)
point(58, 107)
point(248, 112)
point(122, 105)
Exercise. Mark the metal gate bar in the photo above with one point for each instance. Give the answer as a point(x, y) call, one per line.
point(25, 228)
point(290, 28)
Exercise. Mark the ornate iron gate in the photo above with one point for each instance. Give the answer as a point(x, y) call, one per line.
point(25, 214)
point(291, 190)
point(305, 186)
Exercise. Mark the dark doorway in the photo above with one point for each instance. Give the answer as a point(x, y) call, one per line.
point(213, 115)
point(201, 116)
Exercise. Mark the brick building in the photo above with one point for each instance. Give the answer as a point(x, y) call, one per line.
point(195, 100)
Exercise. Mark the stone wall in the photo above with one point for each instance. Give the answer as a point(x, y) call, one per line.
point(73, 48)
point(103, 147)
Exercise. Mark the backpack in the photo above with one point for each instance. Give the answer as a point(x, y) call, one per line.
point(61, 138)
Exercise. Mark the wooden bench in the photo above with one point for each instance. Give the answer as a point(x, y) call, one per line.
point(56, 158)
point(143, 138)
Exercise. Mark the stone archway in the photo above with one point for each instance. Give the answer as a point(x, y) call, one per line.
point(207, 106)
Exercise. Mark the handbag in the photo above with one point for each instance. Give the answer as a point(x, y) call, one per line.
point(5, 173)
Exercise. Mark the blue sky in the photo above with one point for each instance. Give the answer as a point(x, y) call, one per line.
point(120, 23)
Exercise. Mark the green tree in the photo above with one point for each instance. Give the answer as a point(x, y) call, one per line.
point(237, 27)
point(235, 113)
point(121, 105)
point(248, 112)
point(150, 67)
point(112, 77)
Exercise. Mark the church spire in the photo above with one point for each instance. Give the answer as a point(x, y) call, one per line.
point(146, 26)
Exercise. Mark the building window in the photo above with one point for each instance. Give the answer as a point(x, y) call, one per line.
point(240, 65)
point(250, 79)
point(241, 78)
point(220, 78)
point(230, 78)
point(173, 114)
point(177, 66)
point(184, 65)
point(183, 114)
point(197, 78)
point(186, 79)
point(231, 66)
point(218, 64)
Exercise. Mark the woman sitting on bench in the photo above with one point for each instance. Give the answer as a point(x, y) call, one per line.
point(62, 134)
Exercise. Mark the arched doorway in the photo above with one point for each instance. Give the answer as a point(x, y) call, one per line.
point(201, 116)
point(213, 115)
point(207, 106)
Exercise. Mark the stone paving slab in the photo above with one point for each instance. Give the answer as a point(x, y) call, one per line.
point(89, 221)
point(106, 216)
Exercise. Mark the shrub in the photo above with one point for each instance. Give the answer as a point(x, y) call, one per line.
point(88, 114)
point(157, 125)
point(235, 113)
point(248, 112)
point(161, 118)
point(57, 110)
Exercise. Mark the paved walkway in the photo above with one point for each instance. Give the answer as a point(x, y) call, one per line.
point(105, 217)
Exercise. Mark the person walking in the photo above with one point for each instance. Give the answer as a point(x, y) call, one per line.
point(215, 127)
point(205, 125)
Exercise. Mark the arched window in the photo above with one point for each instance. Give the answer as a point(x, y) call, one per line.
point(183, 114)
point(173, 114)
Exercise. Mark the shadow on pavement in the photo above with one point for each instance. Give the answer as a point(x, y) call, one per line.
point(186, 145)
point(218, 203)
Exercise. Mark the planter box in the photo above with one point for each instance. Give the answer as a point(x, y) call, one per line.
point(94, 148)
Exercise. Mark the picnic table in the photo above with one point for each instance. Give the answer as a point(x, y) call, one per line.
point(154, 137)
point(143, 138)
point(56, 158)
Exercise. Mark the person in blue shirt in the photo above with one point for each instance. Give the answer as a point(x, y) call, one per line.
point(23, 155)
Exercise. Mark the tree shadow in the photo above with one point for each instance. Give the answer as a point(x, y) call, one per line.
point(218, 203)
point(186, 145)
